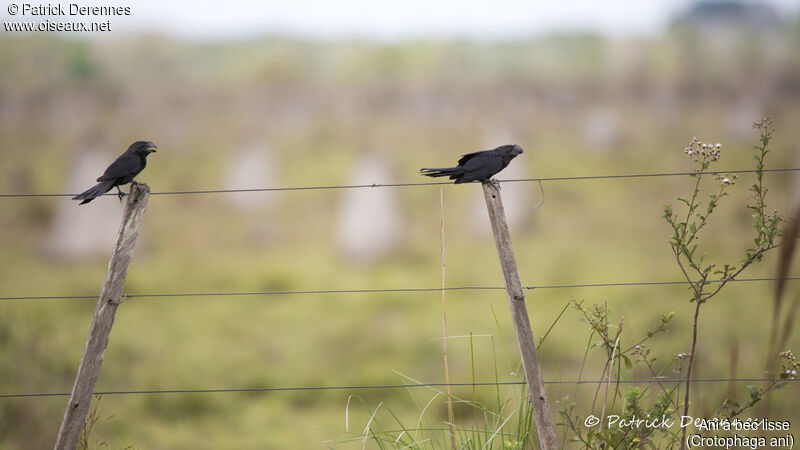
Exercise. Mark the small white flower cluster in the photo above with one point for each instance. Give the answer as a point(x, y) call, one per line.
point(699, 148)
point(727, 179)
point(791, 366)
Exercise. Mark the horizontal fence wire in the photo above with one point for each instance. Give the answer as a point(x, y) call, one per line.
point(432, 183)
point(395, 386)
point(369, 291)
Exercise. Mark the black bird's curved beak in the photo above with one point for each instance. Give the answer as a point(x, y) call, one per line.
point(517, 150)
point(151, 147)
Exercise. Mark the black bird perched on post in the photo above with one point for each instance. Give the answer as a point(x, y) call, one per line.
point(478, 166)
point(121, 171)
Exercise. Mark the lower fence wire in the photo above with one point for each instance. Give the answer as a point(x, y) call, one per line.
point(369, 291)
point(392, 386)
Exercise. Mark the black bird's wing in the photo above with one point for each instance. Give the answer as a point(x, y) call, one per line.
point(129, 164)
point(468, 156)
point(481, 166)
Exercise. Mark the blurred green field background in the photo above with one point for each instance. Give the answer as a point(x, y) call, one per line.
point(579, 104)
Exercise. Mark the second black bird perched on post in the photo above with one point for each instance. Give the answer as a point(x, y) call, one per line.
point(122, 171)
point(478, 166)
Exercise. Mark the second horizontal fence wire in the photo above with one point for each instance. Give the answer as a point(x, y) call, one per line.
point(390, 290)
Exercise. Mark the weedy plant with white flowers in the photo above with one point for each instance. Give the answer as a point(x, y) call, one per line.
point(706, 280)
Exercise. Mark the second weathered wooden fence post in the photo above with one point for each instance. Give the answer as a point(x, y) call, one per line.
point(100, 331)
point(519, 314)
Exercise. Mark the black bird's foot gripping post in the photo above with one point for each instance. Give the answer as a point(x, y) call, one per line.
point(121, 195)
point(493, 182)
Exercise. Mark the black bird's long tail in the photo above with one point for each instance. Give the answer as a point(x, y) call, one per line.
point(94, 192)
point(452, 172)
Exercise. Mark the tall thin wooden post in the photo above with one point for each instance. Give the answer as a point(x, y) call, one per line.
point(519, 314)
point(100, 331)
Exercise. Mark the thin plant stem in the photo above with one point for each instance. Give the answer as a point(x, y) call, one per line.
point(689, 368)
point(450, 414)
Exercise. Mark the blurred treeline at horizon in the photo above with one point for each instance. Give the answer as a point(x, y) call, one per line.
point(579, 104)
point(276, 82)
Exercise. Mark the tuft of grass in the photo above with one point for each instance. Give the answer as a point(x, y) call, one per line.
point(504, 422)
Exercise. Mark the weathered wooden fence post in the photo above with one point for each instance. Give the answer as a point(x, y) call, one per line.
point(519, 313)
point(96, 343)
